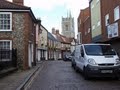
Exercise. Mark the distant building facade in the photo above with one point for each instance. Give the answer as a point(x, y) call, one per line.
point(52, 41)
point(42, 44)
point(64, 45)
point(68, 26)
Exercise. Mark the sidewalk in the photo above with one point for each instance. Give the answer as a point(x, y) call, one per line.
point(18, 79)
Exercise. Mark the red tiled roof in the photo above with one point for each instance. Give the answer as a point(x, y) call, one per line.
point(63, 39)
point(9, 5)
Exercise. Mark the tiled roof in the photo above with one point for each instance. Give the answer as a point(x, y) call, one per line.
point(9, 5)
point(63, 39)
point(59, 38)
point(50, 36)
point(55, 37)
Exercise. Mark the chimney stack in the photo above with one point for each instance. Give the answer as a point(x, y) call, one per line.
point(57, 31)
point(19, 2)
point(53, 31)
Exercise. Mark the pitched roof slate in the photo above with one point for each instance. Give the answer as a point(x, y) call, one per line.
point(50, 36)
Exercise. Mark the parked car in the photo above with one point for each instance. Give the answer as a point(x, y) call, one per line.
point(67, 58)
point(96, 60)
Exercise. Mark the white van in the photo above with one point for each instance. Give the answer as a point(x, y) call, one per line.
point(96, 60)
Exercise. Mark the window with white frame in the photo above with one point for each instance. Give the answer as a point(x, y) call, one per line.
point(5, 21)
point(6, 44)
point(116, 13)
point(5, 50)
point(107, 20)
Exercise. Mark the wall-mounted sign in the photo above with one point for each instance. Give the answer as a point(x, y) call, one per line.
point(112, 30)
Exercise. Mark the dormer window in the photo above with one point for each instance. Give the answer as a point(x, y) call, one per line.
point(5, 21)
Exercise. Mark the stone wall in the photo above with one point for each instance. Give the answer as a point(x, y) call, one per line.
point(16, 35)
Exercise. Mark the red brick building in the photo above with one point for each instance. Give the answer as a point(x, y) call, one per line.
point(84, 25)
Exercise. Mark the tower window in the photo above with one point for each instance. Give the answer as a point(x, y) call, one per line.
point(66, 27)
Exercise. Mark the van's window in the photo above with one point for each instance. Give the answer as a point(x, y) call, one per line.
point(82, 52)
point(99, 50)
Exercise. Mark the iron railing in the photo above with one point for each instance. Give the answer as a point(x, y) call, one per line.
point(8, 58)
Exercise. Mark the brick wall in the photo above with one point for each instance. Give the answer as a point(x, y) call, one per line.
point(30, 37)
point(84, 25)
point(87, 32)
point(107, 7)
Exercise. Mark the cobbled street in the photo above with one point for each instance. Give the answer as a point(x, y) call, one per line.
point(59, 75)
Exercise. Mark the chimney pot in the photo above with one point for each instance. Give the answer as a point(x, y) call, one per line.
point(57, 31)
point(53, 31)
point(19, 2)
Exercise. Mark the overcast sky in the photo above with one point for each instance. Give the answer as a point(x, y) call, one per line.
point(51, 11)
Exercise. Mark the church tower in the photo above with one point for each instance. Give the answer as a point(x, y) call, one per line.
point(68, 26)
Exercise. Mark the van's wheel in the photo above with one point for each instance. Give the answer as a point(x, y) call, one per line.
point(72, 65)
point(86, 77)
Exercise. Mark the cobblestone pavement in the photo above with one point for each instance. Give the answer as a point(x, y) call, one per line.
point(59, 75)
point(16, 80)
